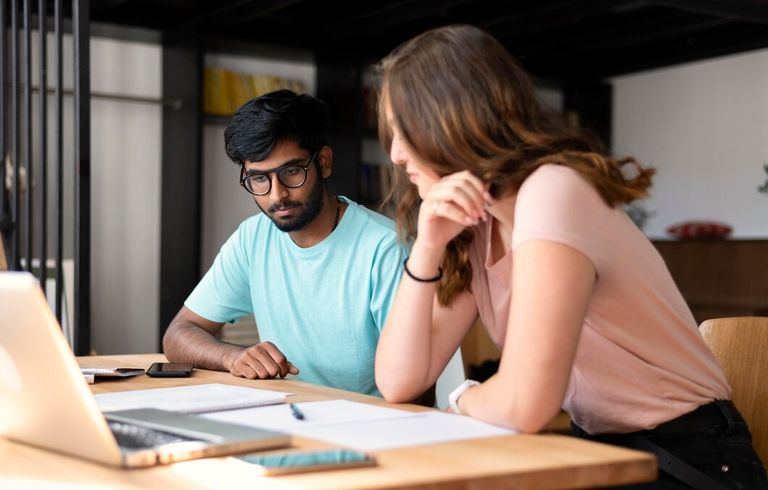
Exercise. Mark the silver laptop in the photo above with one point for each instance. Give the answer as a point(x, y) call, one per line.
point(45, 401)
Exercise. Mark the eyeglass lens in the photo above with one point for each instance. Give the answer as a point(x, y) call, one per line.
point(293, 176)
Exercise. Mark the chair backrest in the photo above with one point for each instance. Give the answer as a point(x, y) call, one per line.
point(741, 346)
point(3, 259)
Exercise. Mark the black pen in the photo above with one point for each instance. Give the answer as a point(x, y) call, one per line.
point(297, 414)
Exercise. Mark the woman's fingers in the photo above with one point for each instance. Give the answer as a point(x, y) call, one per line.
point(483, 188)
point(462, 199)
point(464, 192)
point(455, 202)
point(449, 210)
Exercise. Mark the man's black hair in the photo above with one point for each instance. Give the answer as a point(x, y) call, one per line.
point(263, 122)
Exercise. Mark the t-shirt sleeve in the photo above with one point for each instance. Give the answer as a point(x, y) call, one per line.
point(557, 204)
point(223, 295)
point(385, 277)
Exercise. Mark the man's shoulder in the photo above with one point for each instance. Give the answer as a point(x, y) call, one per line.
point(246, 233)
point(371, 221)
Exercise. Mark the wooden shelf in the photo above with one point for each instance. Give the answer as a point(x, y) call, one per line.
point(719, 278)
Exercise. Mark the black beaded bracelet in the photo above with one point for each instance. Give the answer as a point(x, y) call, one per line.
point(419, 279)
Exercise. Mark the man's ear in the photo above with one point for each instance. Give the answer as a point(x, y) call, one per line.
point(325, 159)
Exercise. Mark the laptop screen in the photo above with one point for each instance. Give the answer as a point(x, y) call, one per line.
point(45, 401)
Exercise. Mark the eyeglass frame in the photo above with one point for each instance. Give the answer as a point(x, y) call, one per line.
point(277, 171)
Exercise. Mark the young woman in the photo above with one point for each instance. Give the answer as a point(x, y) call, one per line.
point(518, 218)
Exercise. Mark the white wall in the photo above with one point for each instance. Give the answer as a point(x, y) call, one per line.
point(704, 126)
point(125, 190)
point(126, 140)
point(225, 203)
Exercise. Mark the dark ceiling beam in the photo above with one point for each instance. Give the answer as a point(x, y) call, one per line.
point(557, 14)
point(363, 17)
point(248, 10)
point(558, 38)
point(259, 13)
point(209, 15)
point(415, 11)
point(737, 9)
point(611, 41)
point(372, 16)
point(685, 49)
point(106, 5)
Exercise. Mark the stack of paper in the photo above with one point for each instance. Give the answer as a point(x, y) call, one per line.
point(191, 399)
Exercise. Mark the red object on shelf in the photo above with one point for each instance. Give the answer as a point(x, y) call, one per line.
point(699, 229)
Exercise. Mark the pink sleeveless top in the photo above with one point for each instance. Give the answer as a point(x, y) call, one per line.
point(640, 360)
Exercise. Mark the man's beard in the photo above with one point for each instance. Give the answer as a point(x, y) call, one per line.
point(311, 208)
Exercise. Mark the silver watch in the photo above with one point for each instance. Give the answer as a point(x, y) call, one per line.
point(453, 398)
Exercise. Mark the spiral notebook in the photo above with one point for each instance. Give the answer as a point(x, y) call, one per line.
point(112, 372)
point(90, 374)
point(201, 398)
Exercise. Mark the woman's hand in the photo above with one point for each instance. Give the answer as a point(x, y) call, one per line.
point(420, 335)
point(453, 203)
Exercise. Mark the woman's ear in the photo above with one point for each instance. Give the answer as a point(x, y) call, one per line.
point(325, 160)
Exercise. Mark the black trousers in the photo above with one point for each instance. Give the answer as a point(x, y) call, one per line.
point(709, 448)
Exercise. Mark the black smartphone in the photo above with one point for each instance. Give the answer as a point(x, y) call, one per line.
point(169, 370)
point(301, 461)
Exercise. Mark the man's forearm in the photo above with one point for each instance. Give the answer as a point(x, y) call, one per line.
point(186, 342)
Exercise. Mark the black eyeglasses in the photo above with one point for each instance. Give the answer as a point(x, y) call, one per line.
point(260, 183)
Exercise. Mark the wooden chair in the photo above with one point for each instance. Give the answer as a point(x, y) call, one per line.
point(3, 259)
point(741, 346)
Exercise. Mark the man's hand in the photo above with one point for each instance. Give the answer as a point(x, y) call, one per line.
point(262, 361)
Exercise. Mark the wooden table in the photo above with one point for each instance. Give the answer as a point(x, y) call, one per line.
point(520, 461)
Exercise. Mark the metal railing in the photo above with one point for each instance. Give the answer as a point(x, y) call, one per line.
point(24, 169)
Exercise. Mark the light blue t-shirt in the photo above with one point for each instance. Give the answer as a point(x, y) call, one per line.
point(322, 306)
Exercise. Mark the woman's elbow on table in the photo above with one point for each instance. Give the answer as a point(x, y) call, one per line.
point(535, 418)
point(531, 423)
point(394, 388)
point(527, 417)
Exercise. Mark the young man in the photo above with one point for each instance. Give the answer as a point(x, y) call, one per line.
point(317, 271)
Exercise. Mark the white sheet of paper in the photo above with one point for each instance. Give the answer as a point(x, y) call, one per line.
point(322, 413)
point(424, 428)
point(363, 426)
point(191, 398)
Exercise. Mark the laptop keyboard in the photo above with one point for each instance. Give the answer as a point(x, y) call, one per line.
point(137, 437)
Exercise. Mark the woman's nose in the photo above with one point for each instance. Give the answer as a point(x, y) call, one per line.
point(396, 153)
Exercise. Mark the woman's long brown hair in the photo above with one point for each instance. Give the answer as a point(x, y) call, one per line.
point(461, 103)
